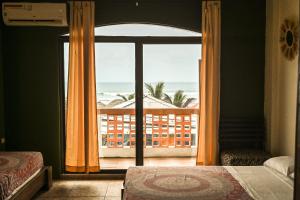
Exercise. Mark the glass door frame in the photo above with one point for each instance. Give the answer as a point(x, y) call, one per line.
point(139, 41)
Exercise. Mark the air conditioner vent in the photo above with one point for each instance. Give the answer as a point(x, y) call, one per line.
point(34, 14)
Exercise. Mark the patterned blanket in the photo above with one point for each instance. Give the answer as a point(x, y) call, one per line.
point(188, 183)
point(16, 168)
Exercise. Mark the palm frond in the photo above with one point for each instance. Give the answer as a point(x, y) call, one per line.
point(179, 98)
point(150, 89)
point(159, 88)
point(122, 96)
point(188, 101)
point(167, 99)
point(131, 96)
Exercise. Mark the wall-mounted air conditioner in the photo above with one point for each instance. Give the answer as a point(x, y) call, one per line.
point(34, 14)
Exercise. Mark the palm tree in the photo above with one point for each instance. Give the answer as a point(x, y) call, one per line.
point(131, 96)
point(156, 91)
point(180, 100)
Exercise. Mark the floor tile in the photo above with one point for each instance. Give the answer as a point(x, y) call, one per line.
point(76, 190)
point(114, 189)
point(112, 198)
point(57, 191)
point(88, 190)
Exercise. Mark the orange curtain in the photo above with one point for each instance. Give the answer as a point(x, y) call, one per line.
point(81, 119)
point(207, 152)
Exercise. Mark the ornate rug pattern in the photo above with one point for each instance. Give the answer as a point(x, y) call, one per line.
point(188, 183)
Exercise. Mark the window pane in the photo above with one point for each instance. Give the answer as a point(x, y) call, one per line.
point(115, 66)
point(171, 90)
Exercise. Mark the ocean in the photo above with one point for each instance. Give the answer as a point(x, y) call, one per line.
point(107, 91)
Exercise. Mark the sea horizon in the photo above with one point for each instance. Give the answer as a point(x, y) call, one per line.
point(121, 87)
point(107, 91)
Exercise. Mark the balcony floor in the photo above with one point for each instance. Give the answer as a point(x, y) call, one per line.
point(124, 163)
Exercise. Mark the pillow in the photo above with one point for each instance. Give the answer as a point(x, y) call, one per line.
point(291, 175)
point(282, 164)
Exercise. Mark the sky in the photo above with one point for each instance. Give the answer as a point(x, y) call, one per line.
point(115, 62)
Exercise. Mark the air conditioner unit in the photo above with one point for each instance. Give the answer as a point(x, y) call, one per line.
point(34, 14)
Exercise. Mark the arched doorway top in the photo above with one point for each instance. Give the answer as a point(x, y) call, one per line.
point(144, 30)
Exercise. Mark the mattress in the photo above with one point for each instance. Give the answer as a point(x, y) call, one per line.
point(16, 168)
point(206, 183)
point(263, 183)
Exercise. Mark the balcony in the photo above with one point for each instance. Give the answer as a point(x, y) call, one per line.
point(170, 135)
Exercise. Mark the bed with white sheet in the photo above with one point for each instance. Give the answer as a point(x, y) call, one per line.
point(269, 182)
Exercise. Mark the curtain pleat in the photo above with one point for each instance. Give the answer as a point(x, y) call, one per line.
point(209, 95)
point(81, 118)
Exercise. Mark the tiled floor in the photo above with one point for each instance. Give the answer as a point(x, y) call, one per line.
point(104, 189)
point(124, 163)
point(83, 190)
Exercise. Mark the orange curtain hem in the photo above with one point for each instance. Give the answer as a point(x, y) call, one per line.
point(202, 163)
point(82, 169)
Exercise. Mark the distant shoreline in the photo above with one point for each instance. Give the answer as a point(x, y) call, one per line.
point(108, 90)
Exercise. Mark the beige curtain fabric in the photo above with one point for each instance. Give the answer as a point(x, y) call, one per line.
point(209, 84)
point(81, 119)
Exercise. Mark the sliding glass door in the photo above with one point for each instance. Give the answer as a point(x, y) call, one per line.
point(115, 79)
point(115, 88)
point(147, 95)
point(171, 91)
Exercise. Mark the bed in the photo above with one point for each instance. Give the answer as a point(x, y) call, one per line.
point(22, 174)
point(207, 183)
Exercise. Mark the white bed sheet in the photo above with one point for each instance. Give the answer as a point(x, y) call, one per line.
point(263, 183)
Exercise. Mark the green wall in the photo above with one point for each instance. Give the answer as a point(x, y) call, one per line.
point(179, 13)
point(242, 58)
point(31, 60)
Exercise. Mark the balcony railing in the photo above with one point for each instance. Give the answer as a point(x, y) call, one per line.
point(163, 127)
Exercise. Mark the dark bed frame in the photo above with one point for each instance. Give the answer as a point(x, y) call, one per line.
point(42, 180)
